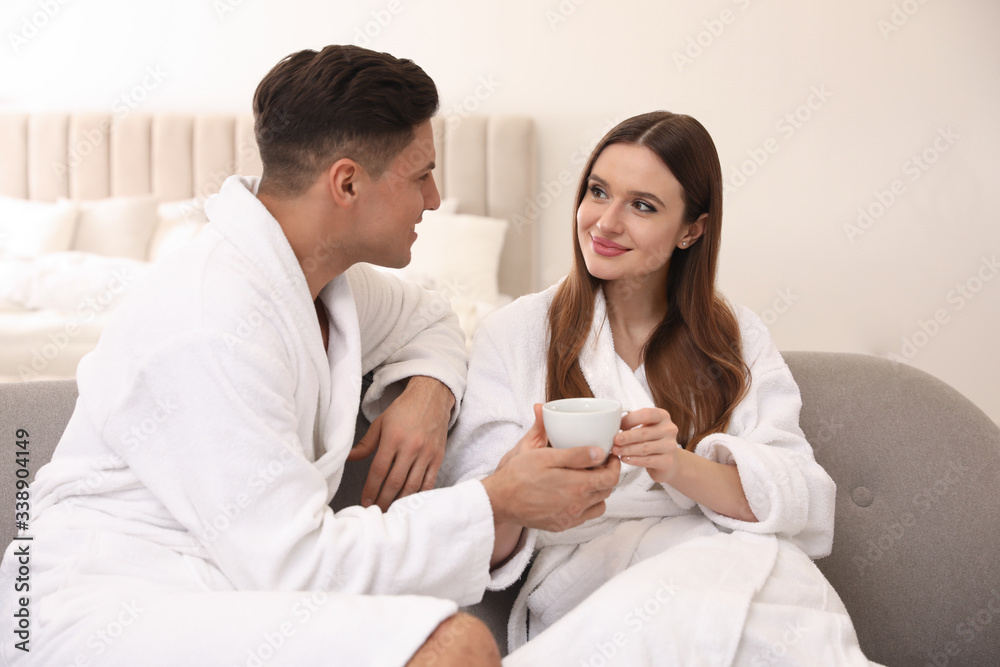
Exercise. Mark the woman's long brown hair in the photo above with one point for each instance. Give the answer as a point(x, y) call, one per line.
point(693, 358)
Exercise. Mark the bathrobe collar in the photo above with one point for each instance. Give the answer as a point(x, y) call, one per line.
point(606, 373)
point(246, 223)
point(637, 496)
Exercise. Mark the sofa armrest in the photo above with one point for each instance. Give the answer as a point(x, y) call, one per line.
point(41, 409)
point(917, 524)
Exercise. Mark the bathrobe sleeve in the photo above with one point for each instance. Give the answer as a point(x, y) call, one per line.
point(789, 492)
point(214, 437)
point(406, 330)
point(491, 423)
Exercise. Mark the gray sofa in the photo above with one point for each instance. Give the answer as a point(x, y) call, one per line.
point(917, 466)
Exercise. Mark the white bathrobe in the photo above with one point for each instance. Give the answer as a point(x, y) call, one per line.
point(658, 579)
point(183, 518)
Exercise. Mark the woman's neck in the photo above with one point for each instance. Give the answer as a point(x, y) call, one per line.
point(634, 311)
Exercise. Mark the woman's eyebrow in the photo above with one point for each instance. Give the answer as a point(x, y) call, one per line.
point(631, 193)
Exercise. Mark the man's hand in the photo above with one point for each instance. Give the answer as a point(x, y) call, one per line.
point(551, 489)
point(410, 437)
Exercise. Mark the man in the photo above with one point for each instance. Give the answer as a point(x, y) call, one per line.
point(184, 517)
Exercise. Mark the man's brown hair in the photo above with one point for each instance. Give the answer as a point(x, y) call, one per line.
point(314, 108)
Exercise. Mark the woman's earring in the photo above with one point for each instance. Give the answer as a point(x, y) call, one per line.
point(684, 243)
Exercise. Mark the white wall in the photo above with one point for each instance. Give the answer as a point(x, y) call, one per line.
point(888, 81)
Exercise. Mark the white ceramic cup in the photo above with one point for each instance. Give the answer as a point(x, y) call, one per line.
point(582, 422)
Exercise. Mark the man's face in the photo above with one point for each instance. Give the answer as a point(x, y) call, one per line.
point(396, 203)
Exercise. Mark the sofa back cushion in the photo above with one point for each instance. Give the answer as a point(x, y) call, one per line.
point(917, 528)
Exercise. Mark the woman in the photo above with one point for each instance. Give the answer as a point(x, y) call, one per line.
point(703, 553)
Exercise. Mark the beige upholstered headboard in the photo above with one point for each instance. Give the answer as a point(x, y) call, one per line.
point(486, 162)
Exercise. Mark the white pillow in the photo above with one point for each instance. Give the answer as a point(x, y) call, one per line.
point(116, 227)
point(459, 256)
point(178, 223)
point(32, 228)
point(461, 253)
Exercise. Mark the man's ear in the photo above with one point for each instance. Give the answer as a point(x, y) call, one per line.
point(344, 179)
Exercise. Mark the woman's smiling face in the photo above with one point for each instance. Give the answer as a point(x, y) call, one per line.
point(632, 216)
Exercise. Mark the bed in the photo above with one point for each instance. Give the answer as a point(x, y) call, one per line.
point(89, 201)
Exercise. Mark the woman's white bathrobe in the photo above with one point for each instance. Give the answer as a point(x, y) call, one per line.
point(183, 519)
point(658, 579)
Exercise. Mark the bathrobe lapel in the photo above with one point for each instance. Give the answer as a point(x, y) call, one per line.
point(606, 373)
point(338, 410)
point(335, 371)
point(610, 377)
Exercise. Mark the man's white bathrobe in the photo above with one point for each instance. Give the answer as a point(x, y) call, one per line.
point(183, 519)
point(658, 579)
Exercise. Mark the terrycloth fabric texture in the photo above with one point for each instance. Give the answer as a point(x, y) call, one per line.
point(210, 434)
point(791, 495)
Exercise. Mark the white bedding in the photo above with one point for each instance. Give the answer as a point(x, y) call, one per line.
point(53, 307)
point(69, 281)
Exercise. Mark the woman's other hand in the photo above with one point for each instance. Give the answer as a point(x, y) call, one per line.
point(649, 440)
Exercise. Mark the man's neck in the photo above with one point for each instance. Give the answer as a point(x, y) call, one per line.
point(308, 225)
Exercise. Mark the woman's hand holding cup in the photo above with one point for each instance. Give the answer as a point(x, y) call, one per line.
point(648, 439)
